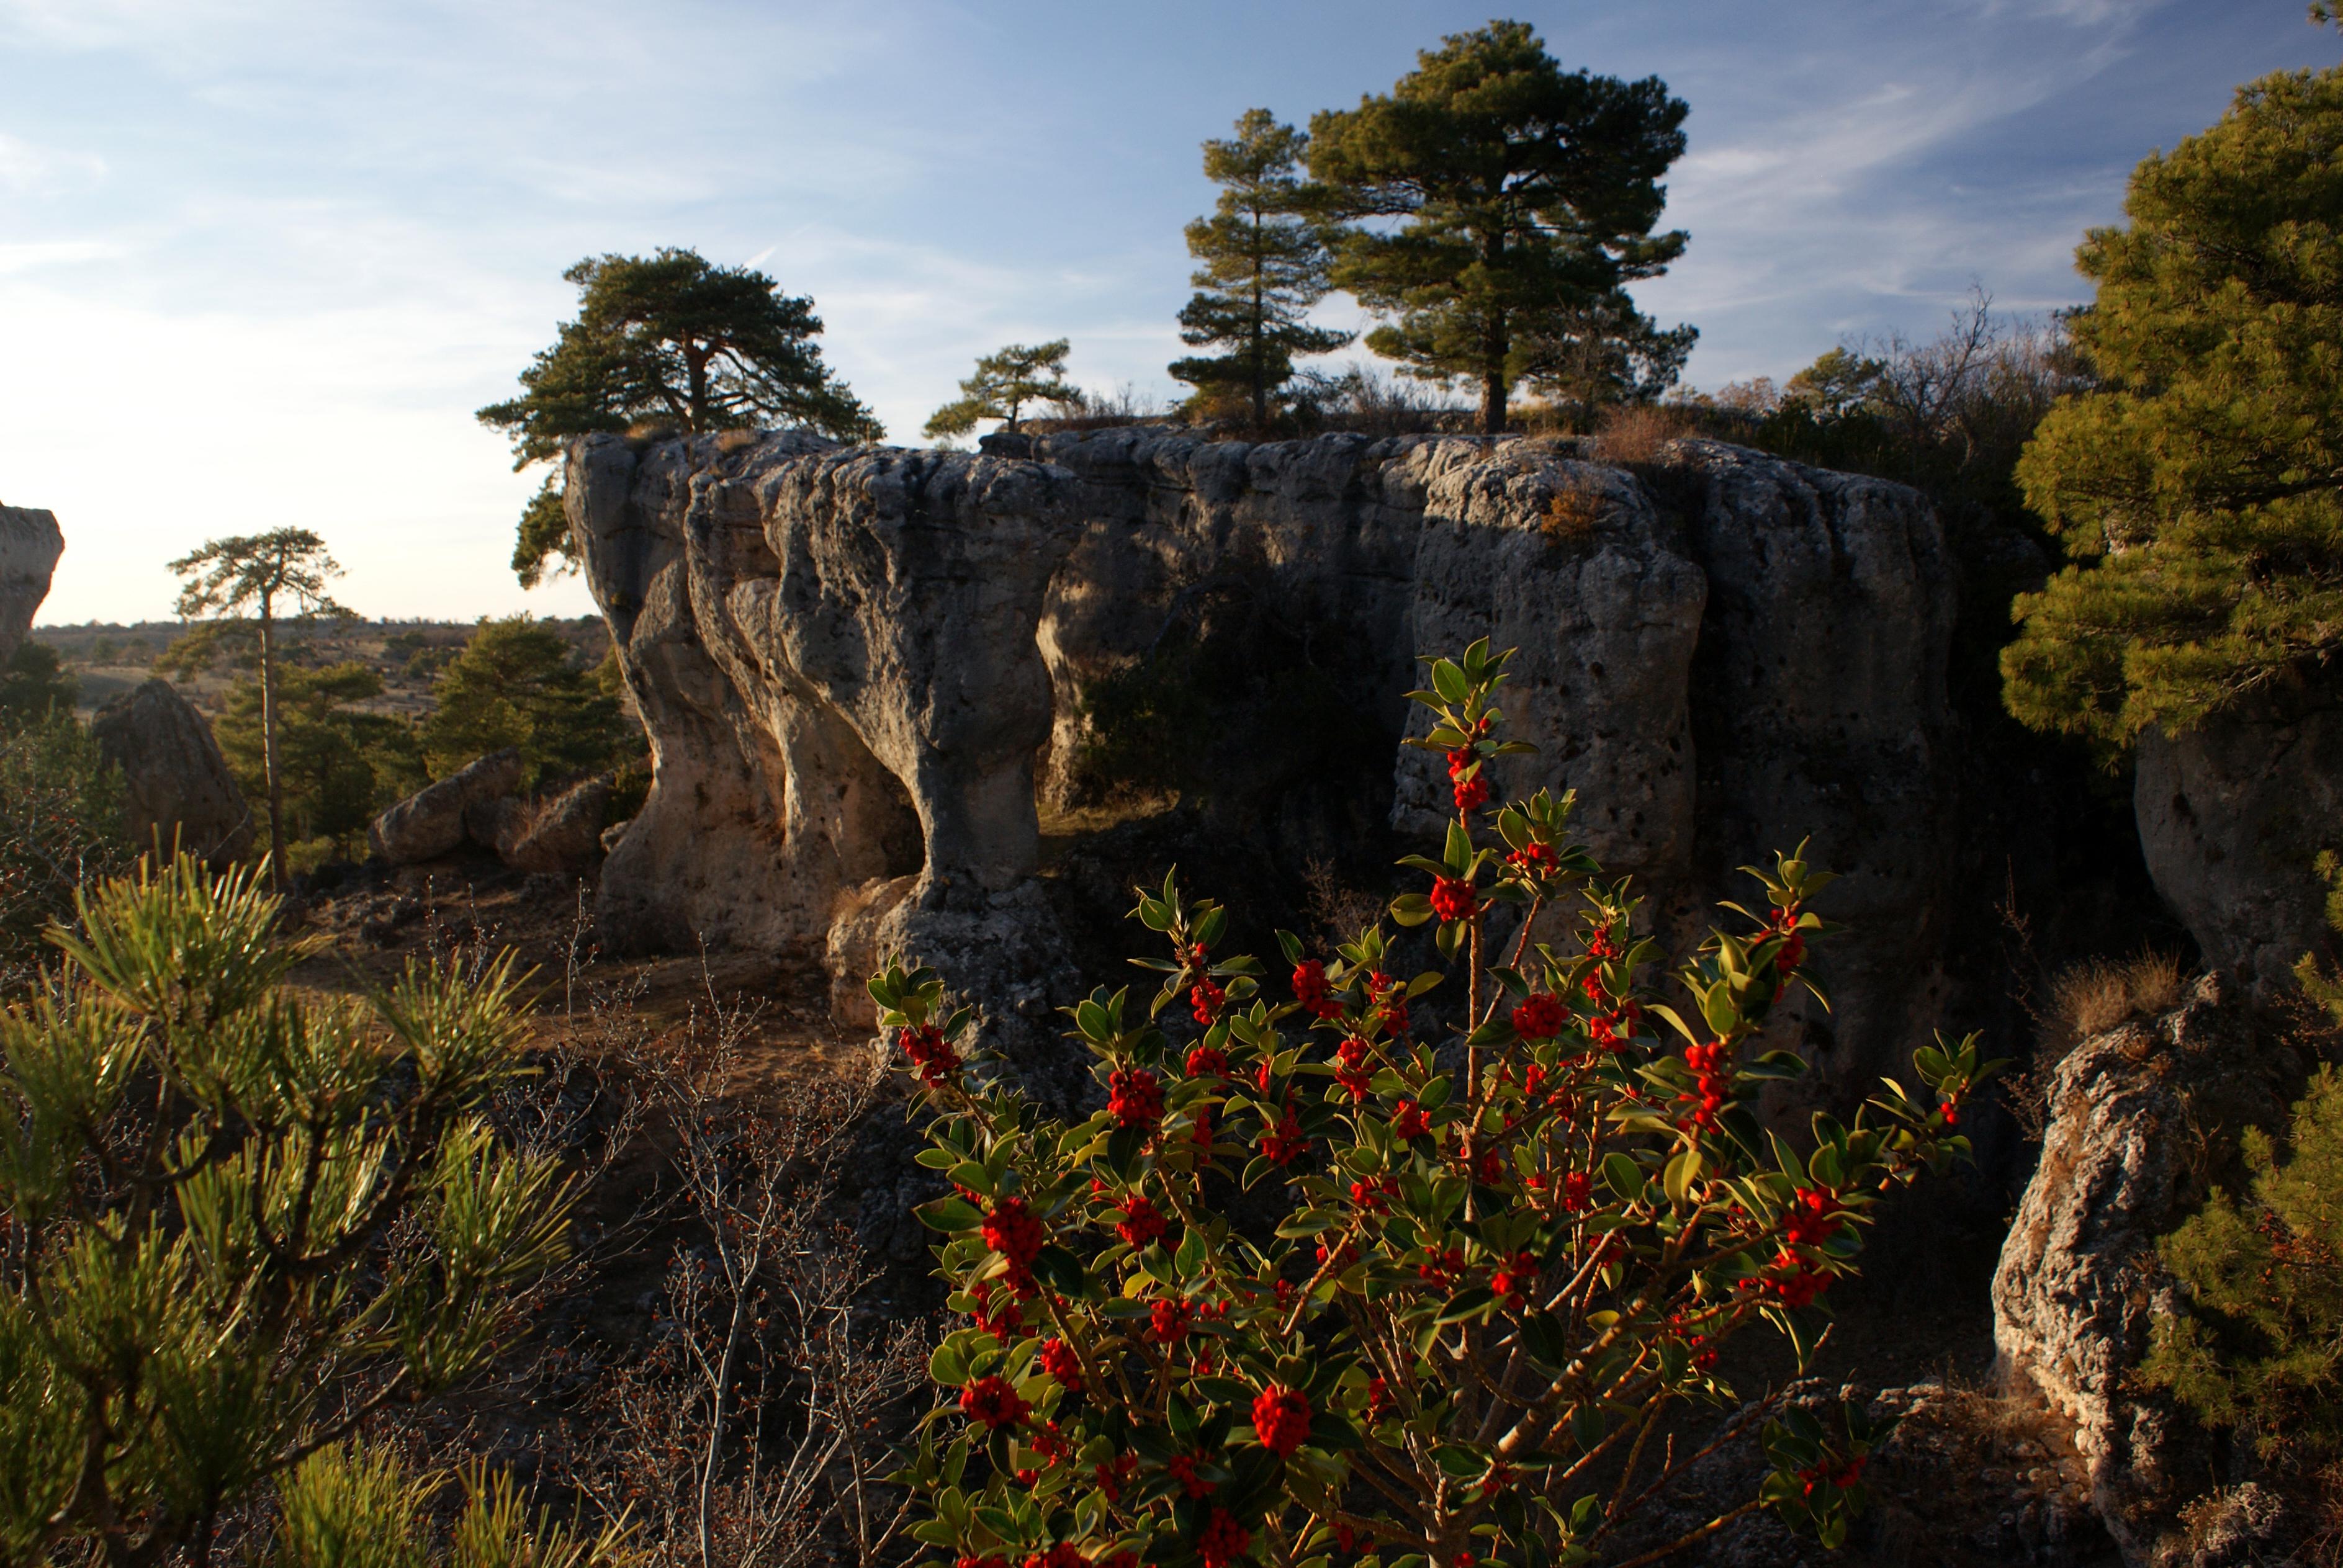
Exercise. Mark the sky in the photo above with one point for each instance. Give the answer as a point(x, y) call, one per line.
point(261, 259)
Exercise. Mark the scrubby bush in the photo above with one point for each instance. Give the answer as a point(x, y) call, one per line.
point(60, 825)
point(235, 1222)
point(1311, 1284)
point(2260, 1350)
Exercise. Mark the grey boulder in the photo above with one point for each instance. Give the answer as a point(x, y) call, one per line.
point(431, 822)
point(176, 788)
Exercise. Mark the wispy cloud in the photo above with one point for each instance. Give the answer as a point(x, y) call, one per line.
point(314, 235)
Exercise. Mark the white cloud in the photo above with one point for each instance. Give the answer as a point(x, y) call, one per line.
point(27, 169)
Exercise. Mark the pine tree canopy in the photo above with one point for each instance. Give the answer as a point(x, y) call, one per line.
point(1264, 265)
point(1004, 383)
point(2200, 493)
point(1525, 196)
point(674, 338)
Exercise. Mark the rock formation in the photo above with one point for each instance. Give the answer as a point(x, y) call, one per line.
point(2231, 816)
point(176, 788)
point(434, 821)
point(858, 667)
point(30, 544)
point(562, 834)
point(2142, 1117)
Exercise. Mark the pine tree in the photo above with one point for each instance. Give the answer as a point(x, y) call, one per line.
point(671, 338)
point(1004, 383)
point(2200, 493)
point(514, 684)
point(1265, 263)
point(281, 574)
point(338, 763)
point(1527, 195)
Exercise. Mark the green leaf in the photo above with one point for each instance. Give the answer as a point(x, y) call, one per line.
point(1450, 682)
point(950, 1215)
point(1623, 1176)
point(1468, 1303)
point(1682, 1172)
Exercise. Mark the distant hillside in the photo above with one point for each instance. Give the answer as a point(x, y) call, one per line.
point(108, 659)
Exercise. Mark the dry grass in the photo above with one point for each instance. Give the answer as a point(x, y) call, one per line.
point(733, 440)
point(2088, 1000)
point(1570, 518)
point(2093, 998)
point(1640, 432)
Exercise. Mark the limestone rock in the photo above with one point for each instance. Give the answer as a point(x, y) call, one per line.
point(1603, 618)
point(859, 668)
point(30, 544)
point(2231, 814)
point(562, 835)
point(2124, 1159)
point(176, 788)
point(431, 822)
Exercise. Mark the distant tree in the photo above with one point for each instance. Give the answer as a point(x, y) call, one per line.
point(515, 684)
point(1004, 383)
point(1265, 264)
point(2199, 493)
point(260, 576)
point(676, 338)
point(338, 764)
point(1527, 196)
point(34, 683)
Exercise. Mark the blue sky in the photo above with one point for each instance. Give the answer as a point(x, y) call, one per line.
point(259, 259)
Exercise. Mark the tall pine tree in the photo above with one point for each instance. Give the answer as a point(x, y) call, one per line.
point(1265, 261)
point(1526, 197)
point(2201, 491)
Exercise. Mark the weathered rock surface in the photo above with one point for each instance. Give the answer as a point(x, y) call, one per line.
point(176, 788)
point(562, 835)
point(2141, 1118)
point(2231, 816)
point(432, 822)
point(859, 668)
point(30, 544)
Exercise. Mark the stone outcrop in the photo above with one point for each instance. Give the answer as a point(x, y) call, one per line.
point(860, 666)
point(2232, 815)
point(2142, 1117)
point(30, 544)
point(176, 788)
point(433, 821)
point(562, 834)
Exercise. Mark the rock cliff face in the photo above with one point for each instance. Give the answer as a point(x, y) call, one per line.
point(30, 544)
point(2143, 1116)
point(2231, 817)
point(861, 668)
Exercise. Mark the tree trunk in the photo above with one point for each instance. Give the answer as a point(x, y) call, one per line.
point(1493, 402)
point(1260, 339)
point(695, 361)
point(269, 744)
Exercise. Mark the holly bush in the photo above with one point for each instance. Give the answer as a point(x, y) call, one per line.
point(1318, 1285)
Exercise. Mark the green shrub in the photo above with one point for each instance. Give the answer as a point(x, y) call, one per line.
point(60, 825)
point(514, 684)
point(238, 1219)
point(2260, 1350)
